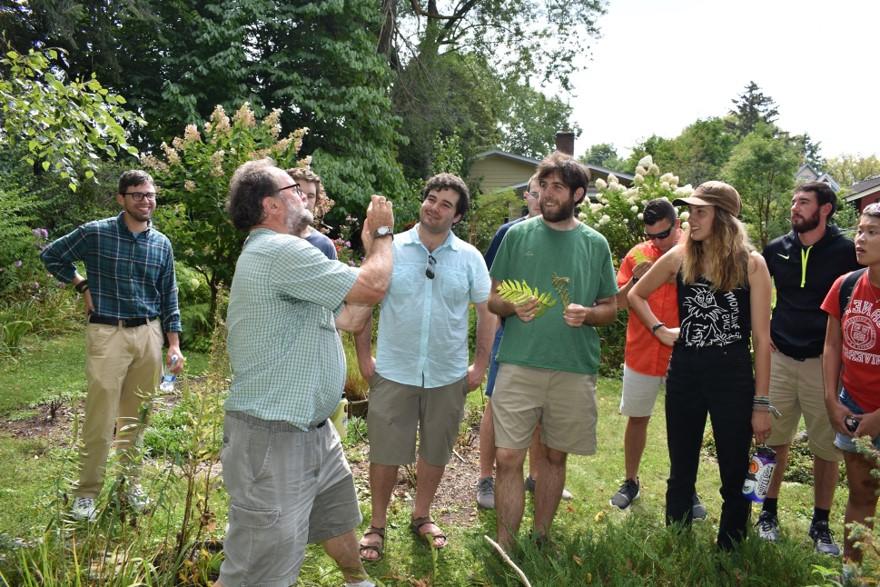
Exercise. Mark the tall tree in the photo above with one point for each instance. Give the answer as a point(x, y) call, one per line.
point(604, 155)
point(517, 37)
point(750, 108)
point(850, 169)
point(530, 120)
point(175, 60)
point(762, 169)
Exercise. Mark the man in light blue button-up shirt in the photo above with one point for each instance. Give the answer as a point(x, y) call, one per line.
point(420, 376)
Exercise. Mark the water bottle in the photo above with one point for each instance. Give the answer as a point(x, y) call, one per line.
point(760, 472)
point(340, 417)
point(166, 383)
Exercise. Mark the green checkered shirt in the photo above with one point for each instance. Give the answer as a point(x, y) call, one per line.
point(287, 358)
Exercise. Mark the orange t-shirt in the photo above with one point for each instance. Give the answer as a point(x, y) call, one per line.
point(645, 353)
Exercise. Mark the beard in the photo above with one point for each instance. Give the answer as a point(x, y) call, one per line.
point(298, 219)
point(806, 224)
point(563, 211)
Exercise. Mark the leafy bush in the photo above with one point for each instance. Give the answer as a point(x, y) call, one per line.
point(618, 214)
point(194, 172)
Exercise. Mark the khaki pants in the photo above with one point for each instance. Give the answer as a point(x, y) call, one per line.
point(123, 366)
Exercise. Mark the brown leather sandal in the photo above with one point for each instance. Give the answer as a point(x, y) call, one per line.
point(416, 525)
point(379, 548)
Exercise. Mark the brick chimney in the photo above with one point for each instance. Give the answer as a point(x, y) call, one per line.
point(565, 142)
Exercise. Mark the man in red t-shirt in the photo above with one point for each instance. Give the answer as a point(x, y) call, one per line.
point(646, 359)
point(851, 367)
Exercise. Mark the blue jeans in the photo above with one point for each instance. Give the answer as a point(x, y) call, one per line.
point(717, 382)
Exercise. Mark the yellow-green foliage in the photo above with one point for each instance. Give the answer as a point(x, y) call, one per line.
point(560, 284)
point(519, 292)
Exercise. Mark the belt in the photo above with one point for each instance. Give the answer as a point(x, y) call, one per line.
point(122, 322)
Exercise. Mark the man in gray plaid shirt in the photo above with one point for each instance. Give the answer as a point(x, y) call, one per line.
point(288, 481)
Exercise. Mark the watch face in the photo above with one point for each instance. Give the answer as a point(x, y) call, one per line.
point(383, 231)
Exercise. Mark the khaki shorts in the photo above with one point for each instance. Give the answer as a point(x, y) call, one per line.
point(797, 387)
point(639, 393)
point(398, 410)
point(563, 403)
point(286, 488)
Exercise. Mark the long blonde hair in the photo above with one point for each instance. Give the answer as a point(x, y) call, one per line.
point(723, 258)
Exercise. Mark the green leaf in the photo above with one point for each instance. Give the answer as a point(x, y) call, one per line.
point(45, 165)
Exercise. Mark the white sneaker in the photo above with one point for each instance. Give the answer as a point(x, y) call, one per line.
point(84, 508)
point(136, 498)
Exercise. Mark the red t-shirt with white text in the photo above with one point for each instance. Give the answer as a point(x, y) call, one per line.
point(860, 327)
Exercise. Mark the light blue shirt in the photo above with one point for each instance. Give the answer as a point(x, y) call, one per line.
point(423, 323)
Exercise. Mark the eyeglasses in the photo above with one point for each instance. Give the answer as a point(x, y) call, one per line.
point(139, 196)
point(294, 186)
point(659, 235)
point(429, 269)
point(534, 195)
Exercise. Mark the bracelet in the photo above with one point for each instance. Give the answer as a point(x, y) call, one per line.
point(656, 326)
point(82, 286)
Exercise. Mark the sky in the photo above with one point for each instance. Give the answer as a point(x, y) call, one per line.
point(659, 65)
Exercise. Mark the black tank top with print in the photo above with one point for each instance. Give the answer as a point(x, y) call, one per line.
point(712, 318)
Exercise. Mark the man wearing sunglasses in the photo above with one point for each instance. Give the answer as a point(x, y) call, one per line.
point(131, 299)
point(420, 376)
point(646, 360)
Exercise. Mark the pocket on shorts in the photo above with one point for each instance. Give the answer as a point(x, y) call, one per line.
point(255, 519)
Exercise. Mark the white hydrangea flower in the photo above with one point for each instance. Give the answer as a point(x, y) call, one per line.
point(665, 185)
point(618, 187)
point(684, 191)
point(684, 225)
point(646, 161)
point(674, 180)
point(684, 215)
point(639, 179)
point(667, 177)
point(653, 169)
point(612, 179)
point(640, 216)
point(601, 184)
point(604, 220)
point(641, 170)
point(634, 209)
point(595, 207)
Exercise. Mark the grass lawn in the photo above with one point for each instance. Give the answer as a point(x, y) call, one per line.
point(591, 542)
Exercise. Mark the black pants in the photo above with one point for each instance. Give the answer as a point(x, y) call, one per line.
point(717, 381)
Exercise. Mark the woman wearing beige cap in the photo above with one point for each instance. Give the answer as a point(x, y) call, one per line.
point(723, 303)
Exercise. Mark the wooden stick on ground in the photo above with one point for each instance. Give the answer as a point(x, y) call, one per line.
point(506, 559)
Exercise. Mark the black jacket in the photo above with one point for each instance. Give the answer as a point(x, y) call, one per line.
point(803, 276)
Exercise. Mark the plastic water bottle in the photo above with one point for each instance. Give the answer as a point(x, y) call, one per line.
point(760, 472)
point(340, 417)
point(166, 384)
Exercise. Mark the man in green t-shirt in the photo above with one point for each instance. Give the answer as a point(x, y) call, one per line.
point(548, 361)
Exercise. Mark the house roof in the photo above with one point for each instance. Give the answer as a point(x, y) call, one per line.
point(535, 162)
point(864, 188)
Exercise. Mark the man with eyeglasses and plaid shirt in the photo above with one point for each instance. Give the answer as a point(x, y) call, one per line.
point(420, 376)
point(131, 300)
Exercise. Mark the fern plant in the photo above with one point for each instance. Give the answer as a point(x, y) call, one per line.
point(519, 292)
point(560, 284)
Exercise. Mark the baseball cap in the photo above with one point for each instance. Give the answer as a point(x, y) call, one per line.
point(713, 193)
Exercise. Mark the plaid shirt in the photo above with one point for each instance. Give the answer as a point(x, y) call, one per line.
point(287, 359)
point(130, 275)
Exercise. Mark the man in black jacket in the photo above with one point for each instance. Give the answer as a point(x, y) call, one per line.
point(804, 263)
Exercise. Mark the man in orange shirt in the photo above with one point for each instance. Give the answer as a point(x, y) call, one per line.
point(646, 359)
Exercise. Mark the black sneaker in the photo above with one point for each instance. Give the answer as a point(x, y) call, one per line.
point(628, 493)
point(530, 484)
point(823, 539)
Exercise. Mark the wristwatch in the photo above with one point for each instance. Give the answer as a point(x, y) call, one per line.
point(383, 231)
point(657, 327)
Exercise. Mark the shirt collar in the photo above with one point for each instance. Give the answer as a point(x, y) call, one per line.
point(120, 222)
point(411, 237)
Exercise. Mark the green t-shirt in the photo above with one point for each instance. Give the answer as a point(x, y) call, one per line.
point(533, 252)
